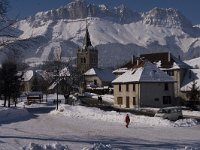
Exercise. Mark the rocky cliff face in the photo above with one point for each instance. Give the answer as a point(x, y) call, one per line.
point(167, 18)
point(80, 9)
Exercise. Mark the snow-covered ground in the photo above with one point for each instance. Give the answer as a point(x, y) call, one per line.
point(78, 127)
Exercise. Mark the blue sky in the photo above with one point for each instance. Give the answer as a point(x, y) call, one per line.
point(189, 8)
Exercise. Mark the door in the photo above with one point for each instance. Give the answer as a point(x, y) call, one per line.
point(127, 102)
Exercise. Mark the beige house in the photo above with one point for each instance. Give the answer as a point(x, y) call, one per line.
point(144, 86)
point(168, 63)
point(96, 77)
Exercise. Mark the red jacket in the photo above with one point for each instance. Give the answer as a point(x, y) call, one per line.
point(127, 119)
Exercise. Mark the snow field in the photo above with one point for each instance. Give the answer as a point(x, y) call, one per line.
point(112, 116)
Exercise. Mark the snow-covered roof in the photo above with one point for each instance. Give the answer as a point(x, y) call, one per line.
point(103, 74)
point(120, 70)
point(190, 76)
point(27, 76)
point(146, 73)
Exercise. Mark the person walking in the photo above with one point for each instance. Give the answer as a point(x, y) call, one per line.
point(127, 120)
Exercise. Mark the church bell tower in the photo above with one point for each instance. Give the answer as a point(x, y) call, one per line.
point(87, 56)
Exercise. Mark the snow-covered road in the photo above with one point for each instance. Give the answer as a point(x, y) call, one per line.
point(77, 133)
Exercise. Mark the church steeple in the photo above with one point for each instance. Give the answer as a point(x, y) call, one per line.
point(87, 56)
point(87, 41)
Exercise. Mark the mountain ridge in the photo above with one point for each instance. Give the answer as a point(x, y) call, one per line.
point(117, 33)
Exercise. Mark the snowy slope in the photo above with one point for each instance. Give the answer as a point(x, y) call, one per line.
point(117, 33)
point(194, 62)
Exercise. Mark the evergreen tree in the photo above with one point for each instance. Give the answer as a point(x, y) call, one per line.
point(193, 94)
point(10, 81)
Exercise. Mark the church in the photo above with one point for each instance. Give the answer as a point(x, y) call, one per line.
point(87, 64)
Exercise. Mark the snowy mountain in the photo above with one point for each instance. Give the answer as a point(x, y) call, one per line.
point(118, 33)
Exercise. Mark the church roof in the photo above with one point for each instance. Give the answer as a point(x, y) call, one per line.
point(87, 41)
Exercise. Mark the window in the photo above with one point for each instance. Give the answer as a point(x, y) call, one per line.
point(166, 99)
point(81, 60)
point(127, 87)
point(120, 88)
point(156, 99)
point(134, 102)
point(119, 100)
point(84, 60)
point(127, 102)
point(166, 87)
point(95, 82)
point(170, 72)
point(133, 87)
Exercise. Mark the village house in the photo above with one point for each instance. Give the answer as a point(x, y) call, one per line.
point(96, 77)
point(144, 85)
point(34, 80)
point(165, 61)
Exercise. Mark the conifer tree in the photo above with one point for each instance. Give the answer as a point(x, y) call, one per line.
point(193, 94)
point(10, 81)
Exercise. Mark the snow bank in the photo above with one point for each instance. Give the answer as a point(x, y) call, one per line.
point(33, 146)
point(99, 146)
point(56, 146)
point(7, 114)
point(185, 123)
point(113, 116)
point(191, 113)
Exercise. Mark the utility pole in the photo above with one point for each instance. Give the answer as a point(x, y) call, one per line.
point(57, 74)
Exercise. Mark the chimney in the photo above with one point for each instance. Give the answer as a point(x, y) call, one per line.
point(133, 59)
point(179, 57)
point(138, 61)
point(169, 58)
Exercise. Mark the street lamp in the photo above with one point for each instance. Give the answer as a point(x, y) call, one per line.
point(57, 74)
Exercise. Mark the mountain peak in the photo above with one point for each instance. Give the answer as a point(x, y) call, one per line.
point(168, 17)
point(79, 9)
